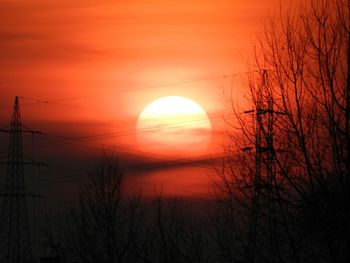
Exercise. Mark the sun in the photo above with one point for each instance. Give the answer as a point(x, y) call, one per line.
point(173, 125)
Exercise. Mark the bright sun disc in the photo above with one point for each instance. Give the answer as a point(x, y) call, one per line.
point(173, 125)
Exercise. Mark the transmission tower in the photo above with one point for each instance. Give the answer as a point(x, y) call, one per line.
point(15, 243)
point(263, 183)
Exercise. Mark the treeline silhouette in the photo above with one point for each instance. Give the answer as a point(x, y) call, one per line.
point(107, 226)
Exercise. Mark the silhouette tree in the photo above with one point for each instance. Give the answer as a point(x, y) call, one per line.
point(104, 226)
point(285, 198)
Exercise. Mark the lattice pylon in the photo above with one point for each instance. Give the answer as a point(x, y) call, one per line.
point(15, 241)
point(264, 167)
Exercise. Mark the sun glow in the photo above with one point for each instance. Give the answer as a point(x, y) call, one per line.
point(173, 125)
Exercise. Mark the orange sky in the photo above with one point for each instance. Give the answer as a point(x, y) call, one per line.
point(99, 63)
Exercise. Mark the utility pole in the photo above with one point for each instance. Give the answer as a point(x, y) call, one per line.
point(263, 183)
point(15, 243)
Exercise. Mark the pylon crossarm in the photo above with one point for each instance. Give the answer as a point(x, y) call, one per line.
point(5, 127)
point(29, 130)
point(5, 130)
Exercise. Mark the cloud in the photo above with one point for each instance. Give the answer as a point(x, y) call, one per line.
point(137, 164)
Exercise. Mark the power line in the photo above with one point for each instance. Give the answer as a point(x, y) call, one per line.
point(161, 164)
point(42, 101)
point(143, 88)
point(73, 140)
point(74, 178)
point(154, 165)
point(37, 101)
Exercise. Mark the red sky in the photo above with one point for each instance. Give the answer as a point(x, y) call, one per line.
point(99, 63)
